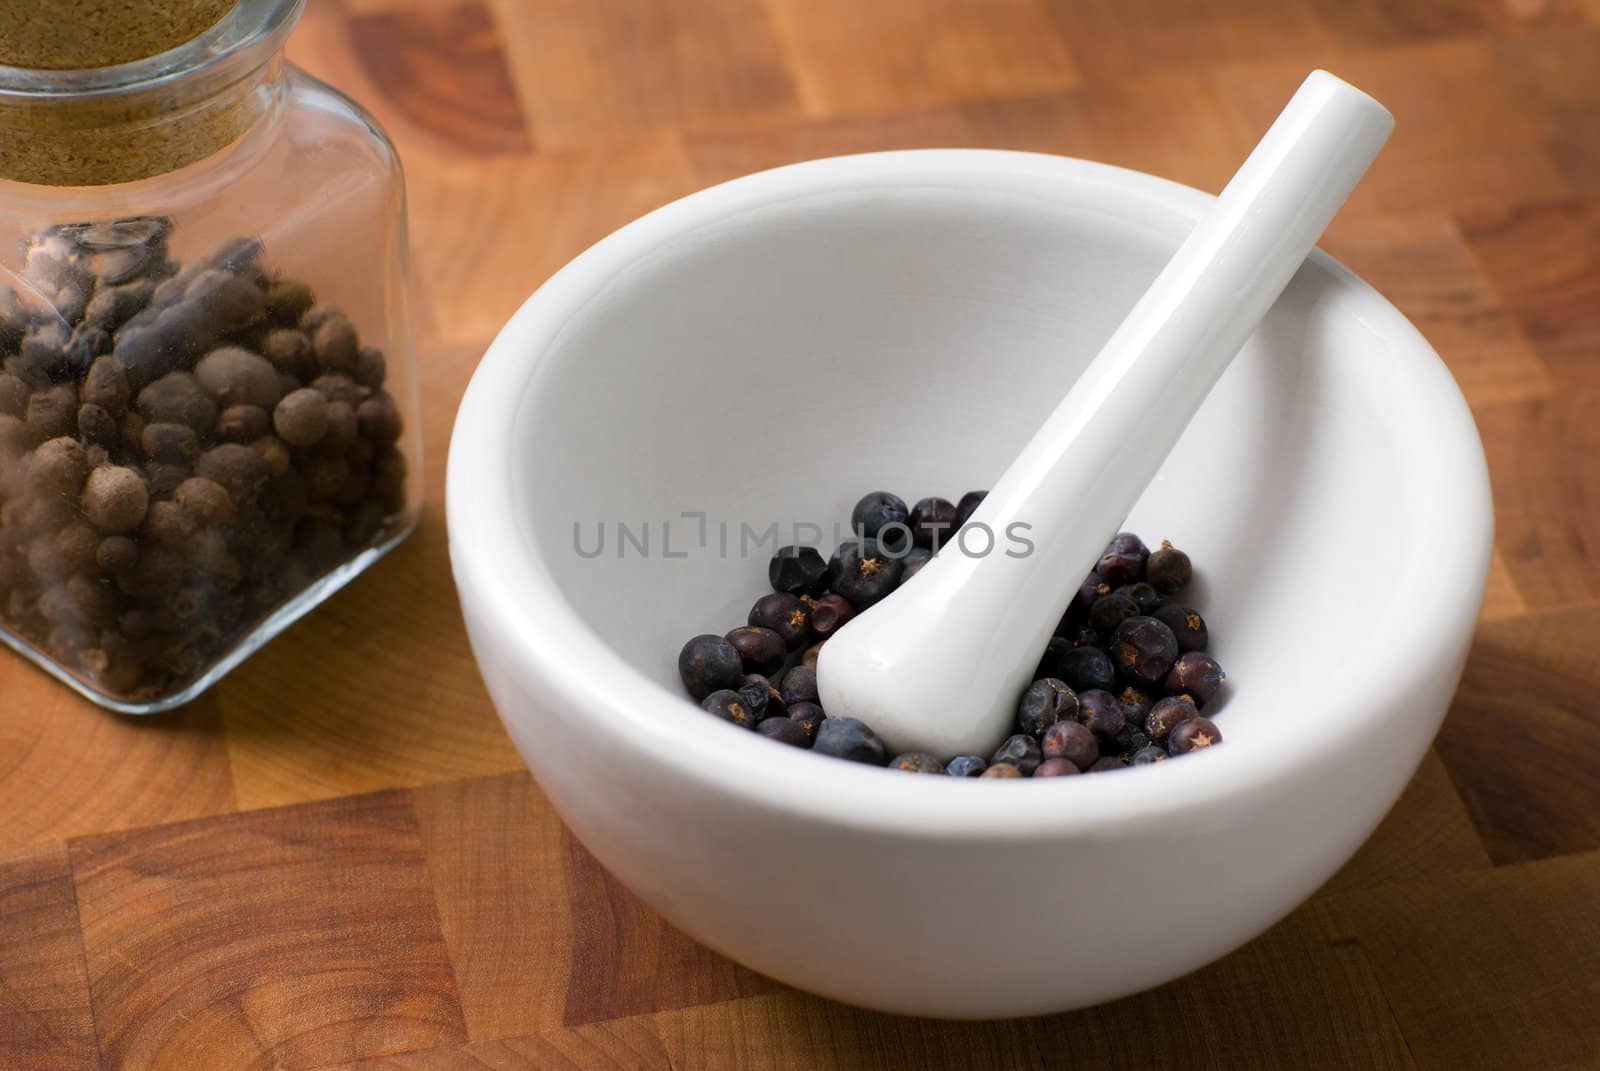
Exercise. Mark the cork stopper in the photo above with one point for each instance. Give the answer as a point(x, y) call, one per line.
point(98, 92)
point(70, 35)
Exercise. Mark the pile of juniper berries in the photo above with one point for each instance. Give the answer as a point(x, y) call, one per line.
point(1125, 680)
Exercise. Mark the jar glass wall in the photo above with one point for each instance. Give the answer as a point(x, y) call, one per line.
point(208, 397)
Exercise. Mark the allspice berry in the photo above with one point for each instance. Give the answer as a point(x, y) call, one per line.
point(371, 369)
point(343, 427)
point(301, 418)
point(379, 418)
point(106, 385)
point(58, 467)
point(243, 423)
point(274, 453)
point(288, 348)
point(335, 344)
point(115, 499)
point(96, 425)
point(169, 524)
point(236, 376)
point(338, 387)
point(230, 301)
point(317, 315)
point(52, 412)
point(171, 443)
point(206, 500)
point(76, 545)
point(163, 477)
point(240, 470)
point(14, 437)
point(13, 395)
point(178, 397)
point(288, 300)
point(116, 555)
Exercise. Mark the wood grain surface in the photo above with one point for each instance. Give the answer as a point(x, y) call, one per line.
point(335, 859)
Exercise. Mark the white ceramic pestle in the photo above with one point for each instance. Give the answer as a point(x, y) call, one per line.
point(940, 665)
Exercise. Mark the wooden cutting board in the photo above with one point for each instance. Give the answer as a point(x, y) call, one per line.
point(334, 859)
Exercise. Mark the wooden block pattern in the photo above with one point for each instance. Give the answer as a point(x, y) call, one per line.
point(893, 54)
point(1544, 258)
point(1429, 833)
point(414, 904)
point(1523, 739)
point(592, 71)
point(68, 768)
point(512, 222)
point(1423, 265)
point(1462, 141)
point(46, 1023)
point(514, 888)
point(272, 939)
point(1491, 970)
point(1547, 495)
point(444, 68)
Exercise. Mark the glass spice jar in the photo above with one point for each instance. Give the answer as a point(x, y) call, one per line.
point(208, 398)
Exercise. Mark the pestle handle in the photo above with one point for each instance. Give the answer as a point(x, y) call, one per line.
point(939, 665)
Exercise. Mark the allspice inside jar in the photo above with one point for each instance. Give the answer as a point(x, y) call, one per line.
point(207, 382)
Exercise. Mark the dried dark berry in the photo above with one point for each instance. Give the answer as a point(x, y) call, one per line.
point(1021, 751)
point(969, 505)
point(848, 738)
point(808, 716)
point(1143, 650)
point(1131, 740)
point(1111, 610)
point(866, 574)
point(796, 570)
point(1050, 662)
point(916, 762)
point(1135, 704)
point(830, 614)
point(966, 766)
point(783, 731)
point(1168, 569)
point(831, 574)
point(1198, 676)
point(1085, 668)
point(1104, 718)
point(812, 653)
point(1148, 754)
point(1001, 770)
point(1069, 740)
point(933, 522)
point(761, 649)
point(1057, 767)
point(1166, 714)
point(799, 685)
point(761, 694)
point(879, 510)
point(1123, 560)
point(1045, 703)
point(914, 560)
point(726, 704)
point(708, 664)
point(1107, 762)
point(1099, 707)
point(1187, 626)
point(1093, 588)
point(1194, 734)
point(1144, 596)
point(784, 614)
